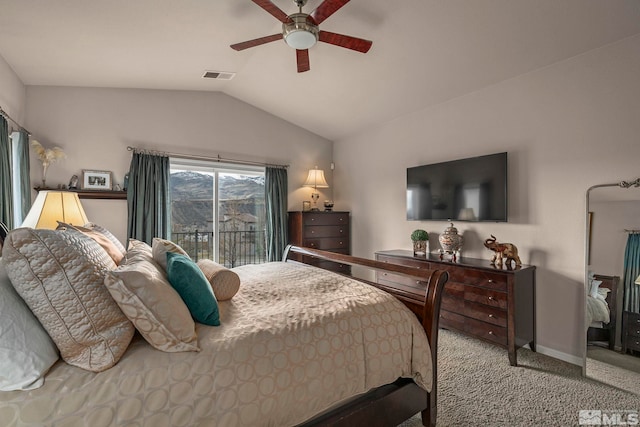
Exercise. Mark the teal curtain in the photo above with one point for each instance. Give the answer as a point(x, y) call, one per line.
point(6, 192)
point(275, 187)
point(25, 173)
point(631, 296)
point(148, 197)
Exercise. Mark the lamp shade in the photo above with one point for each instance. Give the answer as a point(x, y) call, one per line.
point(53, 206)
point(316, 179)
point(638, 280)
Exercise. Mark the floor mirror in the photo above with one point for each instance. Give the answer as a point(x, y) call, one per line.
point(612, 297)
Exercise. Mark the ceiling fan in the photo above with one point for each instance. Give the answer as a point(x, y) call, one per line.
point(301, 31)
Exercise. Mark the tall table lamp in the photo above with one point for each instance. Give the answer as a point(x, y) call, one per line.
point(316, 180)
point(53, 206)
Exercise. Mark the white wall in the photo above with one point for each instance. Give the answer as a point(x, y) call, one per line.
point(95, 126)
point(12, 93)
point(566, 127)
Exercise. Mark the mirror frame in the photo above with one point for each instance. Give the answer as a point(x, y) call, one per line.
point(587, 251)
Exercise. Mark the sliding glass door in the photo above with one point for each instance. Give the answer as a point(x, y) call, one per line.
point(218, 211)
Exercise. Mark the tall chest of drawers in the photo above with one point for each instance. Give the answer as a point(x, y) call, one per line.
point(495, 305)
point(630, 332)
point(327, 231)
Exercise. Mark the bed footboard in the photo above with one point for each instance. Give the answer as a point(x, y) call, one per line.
point(392, 399)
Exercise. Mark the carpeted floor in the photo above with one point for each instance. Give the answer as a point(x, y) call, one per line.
point(478, 387)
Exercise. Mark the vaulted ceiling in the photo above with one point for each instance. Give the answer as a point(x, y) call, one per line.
point(424, 52)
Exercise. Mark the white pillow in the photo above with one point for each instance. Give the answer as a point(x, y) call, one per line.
point(160, 247)
point(602, 293)
point(594, 288)
point(26, 350)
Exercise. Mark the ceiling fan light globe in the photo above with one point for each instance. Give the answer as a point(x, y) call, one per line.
point(300, 39)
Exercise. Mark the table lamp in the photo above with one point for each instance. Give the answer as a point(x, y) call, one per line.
point(315, 180)
point(53, 206)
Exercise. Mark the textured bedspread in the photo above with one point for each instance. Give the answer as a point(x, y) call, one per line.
point(597, 311)
point(294, 341)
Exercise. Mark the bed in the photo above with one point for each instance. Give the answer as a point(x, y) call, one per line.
point(297, 345)
point(601, 309)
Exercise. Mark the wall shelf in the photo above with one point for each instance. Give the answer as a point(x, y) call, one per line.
point(93, 194)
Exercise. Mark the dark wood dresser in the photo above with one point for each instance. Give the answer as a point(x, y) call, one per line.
point(631, 332)
point(327, 231)
point(480, 300)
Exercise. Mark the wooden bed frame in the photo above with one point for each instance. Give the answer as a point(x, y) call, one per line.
point(389, 405)
point(608, 332)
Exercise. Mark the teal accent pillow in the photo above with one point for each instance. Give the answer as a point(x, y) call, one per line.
point(188, 280)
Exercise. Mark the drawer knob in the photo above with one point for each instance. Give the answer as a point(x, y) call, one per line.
point(492, 299)
point(490, 332)
point(313, 232)
point(490, 281)
point(491, 316)
point(340, 242)
point(341, 231)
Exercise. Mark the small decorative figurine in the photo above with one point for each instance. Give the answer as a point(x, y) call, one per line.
point(506, 251)
point(73, 182)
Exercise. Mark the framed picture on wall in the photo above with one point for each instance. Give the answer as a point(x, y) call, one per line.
point(96, 180)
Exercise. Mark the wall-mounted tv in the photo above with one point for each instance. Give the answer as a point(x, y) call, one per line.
point(473, 189)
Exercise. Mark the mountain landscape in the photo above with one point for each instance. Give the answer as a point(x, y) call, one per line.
point(192, 199)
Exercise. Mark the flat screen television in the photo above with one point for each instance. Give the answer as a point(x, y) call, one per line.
point(473, 189)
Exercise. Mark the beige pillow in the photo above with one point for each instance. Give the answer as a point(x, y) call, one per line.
point(160, 247)
point(224, 282)
point(138, 244)
point(113, 250)
point(106, 233)
point(60, 276)
point(140, 287)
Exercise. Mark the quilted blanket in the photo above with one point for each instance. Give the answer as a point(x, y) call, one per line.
point(294, 341)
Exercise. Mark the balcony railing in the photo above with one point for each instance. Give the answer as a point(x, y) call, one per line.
point(235, 247)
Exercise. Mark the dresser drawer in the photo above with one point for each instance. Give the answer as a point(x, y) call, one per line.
point(474, 310)
point(329, 243)
point(633, 343)
point(485, 279)
point(325, 218)
point(325, 231)
point(475, 294)
point(451, 320)
point(405, 261)
point(485, 313)
point(486, 331)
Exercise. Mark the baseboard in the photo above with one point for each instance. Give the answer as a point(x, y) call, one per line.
point(569, 358)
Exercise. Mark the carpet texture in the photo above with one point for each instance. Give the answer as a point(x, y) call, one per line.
point(478, 387)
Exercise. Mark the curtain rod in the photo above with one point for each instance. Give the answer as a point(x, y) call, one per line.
point(218, 158)
point(632, 231)
point(7, 116)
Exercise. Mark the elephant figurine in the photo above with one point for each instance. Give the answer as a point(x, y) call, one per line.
point(503, 251)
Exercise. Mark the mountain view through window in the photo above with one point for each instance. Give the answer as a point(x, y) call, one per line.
point(219, 214)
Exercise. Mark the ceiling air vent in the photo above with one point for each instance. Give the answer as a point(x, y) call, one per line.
point(220, 75)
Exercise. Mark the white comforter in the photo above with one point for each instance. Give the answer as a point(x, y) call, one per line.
point(597, 311)
point(294, 341)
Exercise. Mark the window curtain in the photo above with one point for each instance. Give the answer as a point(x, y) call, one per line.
point(275, 187)
point(148, 197)
point(6, 192)
point(24, 167)
point(631, 296)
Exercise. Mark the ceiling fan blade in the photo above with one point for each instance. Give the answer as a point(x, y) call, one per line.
point(256, 42)
point(326, 9)
point(349, 42)
point(302, 56)
point(272, 9)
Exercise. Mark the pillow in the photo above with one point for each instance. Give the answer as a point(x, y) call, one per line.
point(140, 287)
point(224, 282)
point(26, 350)
point(113, 251)
point(60, 276)
point(602, 293)
point(194, 289)
point(594, 288)
point(138, 244)
point(161, 247)
point(109, 235)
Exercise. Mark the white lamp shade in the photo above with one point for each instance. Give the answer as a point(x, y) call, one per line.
point(316, 179)
point(638, 280)
point(53, 206)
